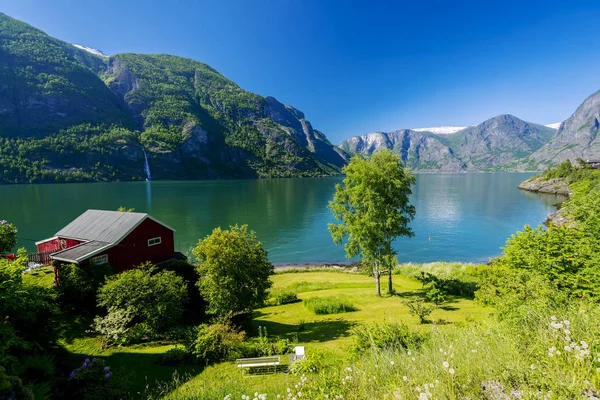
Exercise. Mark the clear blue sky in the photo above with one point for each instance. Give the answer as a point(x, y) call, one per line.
point(356, 67)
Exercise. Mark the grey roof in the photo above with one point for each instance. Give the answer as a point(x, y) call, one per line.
point(80, 252)
point(103, 226)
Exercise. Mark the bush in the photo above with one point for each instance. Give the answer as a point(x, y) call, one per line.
point(79, 286)
point(384, 336)
point(435, 296)
point(312, 362)
point(175, 356)
point(217, 342)
point(8, 236)
point(285, 297)
point(11, 387)
point(420, 309)
point(195, 306)
point(139, 296)
point(94, 381)
point(328, 305)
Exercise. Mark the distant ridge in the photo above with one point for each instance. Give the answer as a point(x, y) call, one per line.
point(490, 146)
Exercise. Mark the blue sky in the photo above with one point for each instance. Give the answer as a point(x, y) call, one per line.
point(355, 67)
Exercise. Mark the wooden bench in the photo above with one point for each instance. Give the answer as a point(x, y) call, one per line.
point(259, 365)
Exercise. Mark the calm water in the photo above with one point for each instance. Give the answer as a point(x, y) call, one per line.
point(468, 216)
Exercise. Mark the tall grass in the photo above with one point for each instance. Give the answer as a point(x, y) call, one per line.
point(544, 354)
point(445, 270)
point(328, 305)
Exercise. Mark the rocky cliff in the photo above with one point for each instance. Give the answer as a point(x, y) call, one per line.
point(577, 137)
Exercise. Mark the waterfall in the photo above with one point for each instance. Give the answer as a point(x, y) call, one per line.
point(146, 166)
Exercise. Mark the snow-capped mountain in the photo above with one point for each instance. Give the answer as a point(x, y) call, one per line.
point(441, 130)
point(90, 50)
point(555, 125)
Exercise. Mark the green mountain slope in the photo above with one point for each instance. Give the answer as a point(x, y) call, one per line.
point(68, 115)
point(46, 84)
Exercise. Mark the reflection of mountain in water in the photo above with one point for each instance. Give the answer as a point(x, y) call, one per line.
point(468, 216)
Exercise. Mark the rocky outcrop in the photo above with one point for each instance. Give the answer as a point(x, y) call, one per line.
point(538, 184)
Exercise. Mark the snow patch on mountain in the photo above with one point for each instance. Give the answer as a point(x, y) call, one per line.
point(90, 50)
point(555, 125)
point(441, 130)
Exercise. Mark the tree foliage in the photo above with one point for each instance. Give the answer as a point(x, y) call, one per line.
point(140, 296)
point(373, 205)
point(8, 236)
point(234, 270)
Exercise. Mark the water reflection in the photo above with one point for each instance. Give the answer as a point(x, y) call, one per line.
point(467, 216)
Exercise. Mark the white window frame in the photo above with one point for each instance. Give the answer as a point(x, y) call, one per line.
point(99, 260)
point(154, 241)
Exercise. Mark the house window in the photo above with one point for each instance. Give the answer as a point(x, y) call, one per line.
point(154, 241)
point(98, 260)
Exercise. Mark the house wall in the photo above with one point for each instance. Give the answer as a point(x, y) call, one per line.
point(134, 249)
point(54, 245)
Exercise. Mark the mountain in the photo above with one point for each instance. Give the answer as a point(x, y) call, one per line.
point(421, 151)
point(440, 130)
point(577, 137)
point(68, 113)
point(485, 147)
point(499, 140)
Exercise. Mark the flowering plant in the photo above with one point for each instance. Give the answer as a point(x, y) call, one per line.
point(94, 380)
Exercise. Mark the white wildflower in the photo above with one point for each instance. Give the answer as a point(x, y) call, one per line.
point(451, 370)
point(405, 378)
point(446, 364)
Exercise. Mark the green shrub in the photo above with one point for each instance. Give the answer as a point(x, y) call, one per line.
point(11, 387)
point(435, 296)
point(285, 297)
point(141, 296)
point(175, 356)
point(420, 309)
point(217, 342)
point(8, 236)
point(79, 286)
point(313, 361)
point(328, 305)
point(384, 336)
point(195, 306)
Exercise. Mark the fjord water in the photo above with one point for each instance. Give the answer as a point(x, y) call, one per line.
point(467, 216)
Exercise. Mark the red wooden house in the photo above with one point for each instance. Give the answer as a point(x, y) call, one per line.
point(122, 239)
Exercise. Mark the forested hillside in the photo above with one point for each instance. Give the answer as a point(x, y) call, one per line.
point(69, 115)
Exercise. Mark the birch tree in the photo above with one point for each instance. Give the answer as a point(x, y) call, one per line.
point(373, 206)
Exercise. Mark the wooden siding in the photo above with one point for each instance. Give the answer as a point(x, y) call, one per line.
point(53, 245)
point(134, 250)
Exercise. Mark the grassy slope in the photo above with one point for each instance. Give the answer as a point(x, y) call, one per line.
point(327, 334)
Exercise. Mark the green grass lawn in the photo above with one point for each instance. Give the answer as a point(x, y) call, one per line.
point(43, 276)
point(326, 334)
